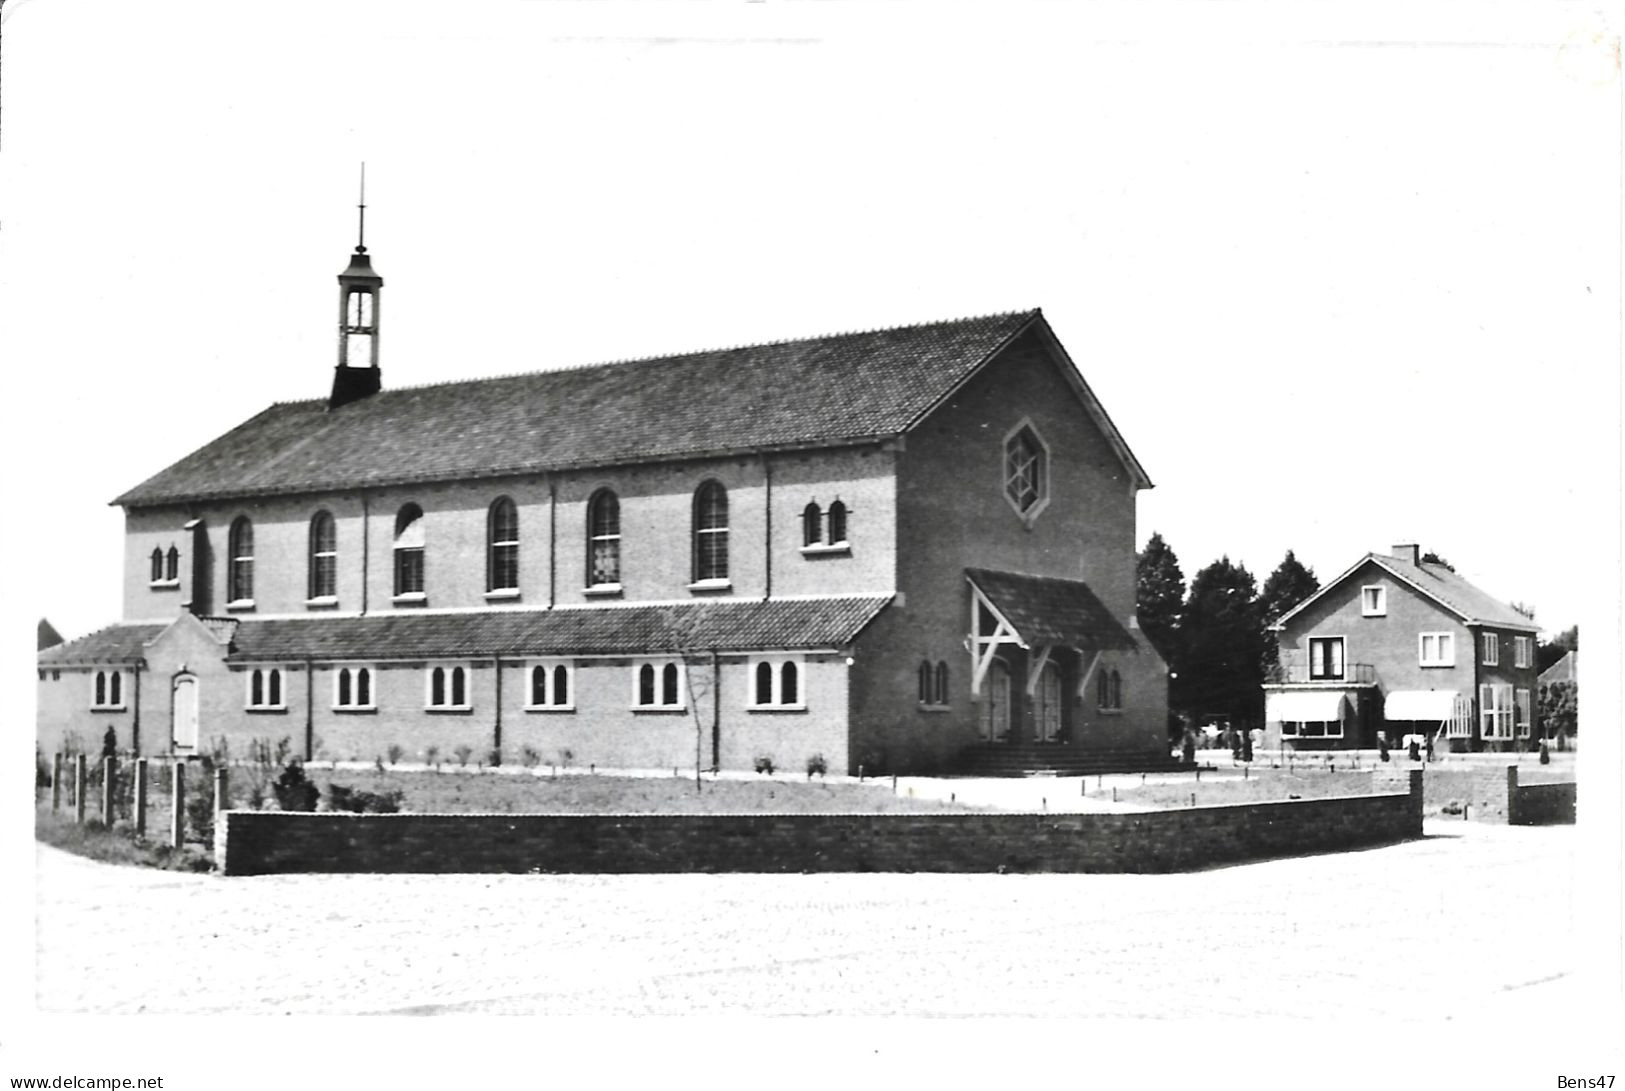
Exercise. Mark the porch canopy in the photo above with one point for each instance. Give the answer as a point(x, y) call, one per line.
point(1039, 614)
point(1305, 706)
point(1436, 705)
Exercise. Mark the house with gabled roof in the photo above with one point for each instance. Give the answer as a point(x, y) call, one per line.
point(1397, 646)
point(895, 550)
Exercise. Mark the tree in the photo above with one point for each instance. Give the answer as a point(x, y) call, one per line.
point(1222, 646)
point(1287, 586)
point(1559, 710)
point(1160, 596)
point(1431, 557)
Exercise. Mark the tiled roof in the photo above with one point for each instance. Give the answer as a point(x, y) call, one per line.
point(725, 625)
point(816, 391)
point(1438, 583)
point(1566, 669)
point(114, 644)
point(1048, 610)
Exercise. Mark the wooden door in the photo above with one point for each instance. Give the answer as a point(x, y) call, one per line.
point(185, 713)
point(1047, 712)
point(996, 702)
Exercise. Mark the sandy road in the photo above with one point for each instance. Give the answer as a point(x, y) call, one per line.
point(1418, 927)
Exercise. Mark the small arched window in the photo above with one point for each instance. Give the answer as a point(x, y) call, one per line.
point(1103, 690)
point(324, 556)
point(1117, 690)
point(942, 682)
point(115, 688)
point(409, 538)
point(101, 688)
point(538, 685)
point(646, 684)
point(459, 686)
point(789, 685)
point(172, 564)
point(273, 687)
point(256, 688)
point(561, 685)
point(437, 686)
point(603, 539)
point(925, 680)
point(240, 545)
point(812, 524)
point(710, 532)
point(345, 694)
point(502, 555)
point(363, 686)
point(837, 523)
point(668, 685)
point(764, 683)
point(157, 564)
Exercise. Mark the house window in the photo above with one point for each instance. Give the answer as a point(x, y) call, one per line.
point(710, 533)
point(409, 553)
point(812, 524)
point(837, 523)
point(657, 685)
point(447, 689)
point(172, 565)
point(108, 691)
point(933, 681)
point(1109, 691)
point(352, 689)
point(1436, 649)
point(776, 683)
point(551, 687)
point(1326, 658)
point(1523, 648)
point(324, 557)
point(1495, 711)
point(823, 531)
point(1524, 710)
point(265, 689)
point(1374, 601)
point(604, 540)
point(1312, 729)
point(1492, 650)
point(1026, 471)
point(240, 545)
point(502, 551)
point(157, 565)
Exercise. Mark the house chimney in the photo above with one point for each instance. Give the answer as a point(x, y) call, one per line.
point(1409, 552)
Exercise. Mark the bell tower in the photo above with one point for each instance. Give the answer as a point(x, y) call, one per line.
point(357, 375)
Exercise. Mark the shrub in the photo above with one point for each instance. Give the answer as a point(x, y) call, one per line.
point(493, 757)
point(816, 764)
point(395, 751)
point(530, 757)
point(377, 764)
point(359, 801)
point(200, 803)
point(294, 791)
point(463, 752)
point(431, 756)
point(764, 763)
point(42, 770)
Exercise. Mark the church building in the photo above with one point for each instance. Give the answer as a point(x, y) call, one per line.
point(908, 550)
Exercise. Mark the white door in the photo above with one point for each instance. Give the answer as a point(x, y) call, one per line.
point(1049, 703)
point(996, 702)
point(185, 706)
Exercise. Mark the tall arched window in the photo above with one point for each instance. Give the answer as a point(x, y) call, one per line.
point(115, 685)
point(409, 551)
point(324, 556)
point(273, 686)
point(502, 556)
point(668, 684)
point(172, 564)
point(837, 523)
point(710, 532)
point(241, 547)
point(1117, 690)
point(812, 524)
point(764, 683)
point(1103, 690)
point(561, 685)
point(603, 539)
point(646, 684)
point(942, 682)
point(926, 692)
point(789, 684)
point(157, 564)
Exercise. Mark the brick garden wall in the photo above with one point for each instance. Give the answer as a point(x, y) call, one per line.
point(255, 843)
point(1542, 805)
point(1492, 793)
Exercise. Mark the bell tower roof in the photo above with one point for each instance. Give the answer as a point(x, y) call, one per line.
point(360, 292)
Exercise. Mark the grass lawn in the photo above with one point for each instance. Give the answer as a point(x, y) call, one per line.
point(118, 845)
point(502, 793)
point(1261, 786)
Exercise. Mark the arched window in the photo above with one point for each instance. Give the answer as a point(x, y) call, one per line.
point(363, 687)
point(1117, 690)
point(459, 686)
point(926, 692)
point(603, 539)
point(837, 523)
point(549, 687)
point(1103, 690)
point(241, 547)
point(324, 556)
point(789, 685)
point(812, 524)
point(409, 551)
point(273, 687)
point(256, 688)
point(942, 682)
point(157, 564)
point(345, 695)
point(538, 685)
point(502, 557)
point(101, 688)
point(710, 532)
point(561, 685)
point(764, 683)
point(172, 566)
point(115, 689)
point(668, 685)
point(352, 688)
point(437, 686)
point(646, 684)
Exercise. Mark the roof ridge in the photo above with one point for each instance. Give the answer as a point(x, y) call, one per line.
point(673, 356)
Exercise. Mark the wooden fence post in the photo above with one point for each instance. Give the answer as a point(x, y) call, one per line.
point(177, 814)
point(79, 788)
point(141, 797)
point(56, 782)
point(109, 777)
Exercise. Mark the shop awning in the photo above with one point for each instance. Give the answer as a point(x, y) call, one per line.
point(1302, 706)
point(1434, 705)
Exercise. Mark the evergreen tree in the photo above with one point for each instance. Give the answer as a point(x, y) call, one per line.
point(1222, 647)
point(1287, 586)
point(1160, 596)
point(1431, 557)
point(1548, 653)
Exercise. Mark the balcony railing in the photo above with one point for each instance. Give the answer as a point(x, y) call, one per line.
point(1359, 674)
